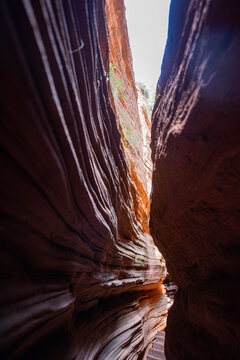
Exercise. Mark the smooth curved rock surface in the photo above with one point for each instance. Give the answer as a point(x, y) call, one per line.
point(195, 195)
point(69, 231)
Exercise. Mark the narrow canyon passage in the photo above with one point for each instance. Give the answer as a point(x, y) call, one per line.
point(91, 219)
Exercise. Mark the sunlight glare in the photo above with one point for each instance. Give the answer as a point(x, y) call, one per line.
point(147, 22)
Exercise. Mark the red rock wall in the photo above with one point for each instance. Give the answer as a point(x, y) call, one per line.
point(124, 99)
point(145, 119)
point(195, 196)
point(70, 238)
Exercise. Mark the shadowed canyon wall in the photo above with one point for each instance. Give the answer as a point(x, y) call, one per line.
point(79, 274)
point(195, 194)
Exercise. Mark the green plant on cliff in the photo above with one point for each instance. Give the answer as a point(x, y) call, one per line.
point(143, 88)
point(111, 70)
point(152, 97)
point(128, 134)
point(129, 137)
point(115, 81)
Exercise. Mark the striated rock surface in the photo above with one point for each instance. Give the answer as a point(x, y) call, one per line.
point(119, 327)
point(132, 116)
point(195, 195)
point(156, 352)
point(70, 235)
point(145, 119)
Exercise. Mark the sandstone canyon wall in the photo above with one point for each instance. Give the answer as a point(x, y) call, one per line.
point(134, 130)
point(79, 275)
point(195, 195)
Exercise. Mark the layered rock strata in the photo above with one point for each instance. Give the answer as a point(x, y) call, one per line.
point(70, 235)
point(195, 195)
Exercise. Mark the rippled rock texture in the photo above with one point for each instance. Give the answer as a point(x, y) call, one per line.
point(70, 237)
point(195, 196)
point(133, 117)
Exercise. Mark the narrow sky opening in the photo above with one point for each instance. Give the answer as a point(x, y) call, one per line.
point(147, 22)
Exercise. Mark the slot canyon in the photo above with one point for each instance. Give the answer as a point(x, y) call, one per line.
point(104, 203)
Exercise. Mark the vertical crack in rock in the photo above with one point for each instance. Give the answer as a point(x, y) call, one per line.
point(195, 195)
point(79, 272)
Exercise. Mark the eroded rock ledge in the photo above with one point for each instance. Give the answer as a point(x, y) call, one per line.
point(70, 237)
point(195, 198)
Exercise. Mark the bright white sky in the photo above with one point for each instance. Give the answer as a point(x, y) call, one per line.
point(147, 27)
